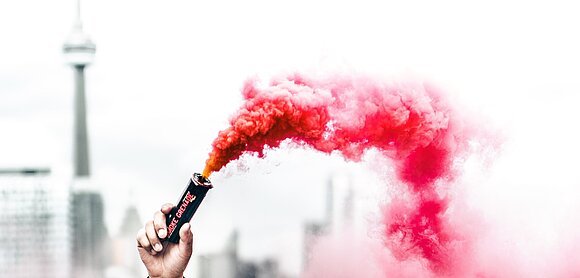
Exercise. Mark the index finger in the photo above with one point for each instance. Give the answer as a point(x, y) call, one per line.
point(159, 224)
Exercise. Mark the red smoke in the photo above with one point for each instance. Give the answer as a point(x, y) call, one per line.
point(409, 123)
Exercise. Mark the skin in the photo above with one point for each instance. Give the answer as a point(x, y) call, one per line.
point(164, 260)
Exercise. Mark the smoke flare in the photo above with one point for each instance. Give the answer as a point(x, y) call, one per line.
point(409, 123)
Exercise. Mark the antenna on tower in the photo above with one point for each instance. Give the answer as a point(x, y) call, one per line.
point(78, 22)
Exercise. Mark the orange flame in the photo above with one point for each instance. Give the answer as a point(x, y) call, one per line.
point(210, 166)
point(206, 172)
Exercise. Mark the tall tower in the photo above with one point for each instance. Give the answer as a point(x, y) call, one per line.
point(79, 52)
point(89, 234)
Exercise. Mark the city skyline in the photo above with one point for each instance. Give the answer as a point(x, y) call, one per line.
point(165, 72)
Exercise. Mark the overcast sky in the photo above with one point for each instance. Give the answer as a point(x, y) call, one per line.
point(167, 76)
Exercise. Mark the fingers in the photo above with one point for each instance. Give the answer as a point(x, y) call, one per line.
point(186, 240)
point(152, 237)
point(148, 238)
point(159, 220)
point(143, 241)
point(160, 224)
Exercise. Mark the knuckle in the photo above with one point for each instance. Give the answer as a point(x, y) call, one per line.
point(144, 242)
point(152, 235)
point(153, 240)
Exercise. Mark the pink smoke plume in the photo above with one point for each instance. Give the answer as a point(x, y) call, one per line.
point(410, 123)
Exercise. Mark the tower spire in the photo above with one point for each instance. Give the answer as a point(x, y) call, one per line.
point(78, 22)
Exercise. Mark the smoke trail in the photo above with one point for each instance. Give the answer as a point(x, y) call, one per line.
point(409, 123)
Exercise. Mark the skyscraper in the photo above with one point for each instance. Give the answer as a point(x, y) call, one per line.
point(88, 230)
point(34, 235)
point(228, 264)
point(125, 262)
point(222, 264)
point(343, 213)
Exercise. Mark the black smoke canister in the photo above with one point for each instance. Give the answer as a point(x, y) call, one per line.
point(187, 205)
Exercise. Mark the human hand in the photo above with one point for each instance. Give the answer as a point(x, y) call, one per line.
point(164, 260)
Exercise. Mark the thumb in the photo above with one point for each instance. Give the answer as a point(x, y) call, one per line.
point(186, 240)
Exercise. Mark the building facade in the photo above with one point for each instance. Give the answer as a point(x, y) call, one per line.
point(34, 231)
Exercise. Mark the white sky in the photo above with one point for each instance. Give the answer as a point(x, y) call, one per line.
point(167, 77)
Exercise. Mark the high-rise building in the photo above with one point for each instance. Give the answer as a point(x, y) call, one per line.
point(222, 264)
point(267, 268)
point(341, 202)
point(89, 239)
point(311, 233)
point(87, 221)
point(34, 231)
point(227, 264)
point(343, 213)
point(125, 262)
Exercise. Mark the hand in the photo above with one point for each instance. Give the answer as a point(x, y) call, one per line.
point(167, 260)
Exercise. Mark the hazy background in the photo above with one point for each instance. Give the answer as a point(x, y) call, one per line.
point(167, 75)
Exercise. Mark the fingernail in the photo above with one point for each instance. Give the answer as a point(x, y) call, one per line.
point(162, 233)
point(157, 247)
point(153, 252)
